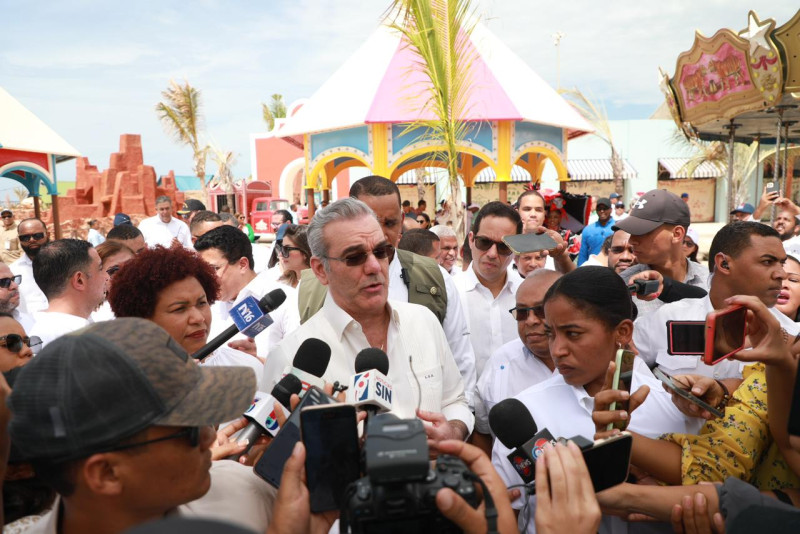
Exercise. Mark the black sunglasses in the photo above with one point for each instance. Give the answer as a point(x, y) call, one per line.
point(360, 258)
point(7, 216)
point(521, 313)
point(13, 342)
point(5, 283)
point(191, 432)
point(484, 244)
point(37, 236)
point(285, 250)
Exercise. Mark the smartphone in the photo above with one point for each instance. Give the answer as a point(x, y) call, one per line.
point(524, 243)
point(623, 375)
point(609, 460)
point(270, 465)
point(773, 187)
point(686, 394)
point(330, 435)
point(642, 288)
point(686, 338)
point(725, 333)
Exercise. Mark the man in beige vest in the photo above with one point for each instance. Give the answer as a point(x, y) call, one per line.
point(9, 238)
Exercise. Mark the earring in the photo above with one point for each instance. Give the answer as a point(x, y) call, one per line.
point(619, 345)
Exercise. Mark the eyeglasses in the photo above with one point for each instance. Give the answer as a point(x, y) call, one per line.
point(285, 250)
point(620, 250)
point(360, 258)
point(192, 432)
point(688, 243)
point(7, 216)
point(484, 244)
point(521, 313)
point(5, 283)
point(13, 342)
point(37, 236)
point(111, 271)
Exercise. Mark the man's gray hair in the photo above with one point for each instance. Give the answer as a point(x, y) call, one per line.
point(163, 198)
point(345, 209)
point(443, 230)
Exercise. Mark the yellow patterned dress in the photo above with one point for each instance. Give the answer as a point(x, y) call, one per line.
point(738, 444)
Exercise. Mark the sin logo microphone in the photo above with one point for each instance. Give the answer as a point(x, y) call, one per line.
point(370, 389)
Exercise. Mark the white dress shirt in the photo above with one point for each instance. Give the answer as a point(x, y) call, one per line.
point(454, 324)
point(25, 319)
point(228, 357)
point(94, 237)
point(422, 370)
point(490, 324)
point(511, 370)
point(157, 232)
point(31, 299)
point(651, 339)
point(566, 411)
point(51, 325)
point(285, 318)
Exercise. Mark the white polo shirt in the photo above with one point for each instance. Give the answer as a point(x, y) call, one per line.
point(157, 232)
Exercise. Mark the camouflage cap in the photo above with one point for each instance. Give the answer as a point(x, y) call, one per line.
point(90, 389)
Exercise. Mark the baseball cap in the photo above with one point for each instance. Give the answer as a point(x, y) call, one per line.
point(121, 218)
point(613, 195)
point(190, 205)
point(603, 201)
point(619, 205)
point(692, 234)
point(92, 388)
point(684, 195)
point(653, 209)
point(6, 211)
point(744, 208)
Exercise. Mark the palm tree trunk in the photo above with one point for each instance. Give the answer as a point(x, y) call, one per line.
point(617, 168)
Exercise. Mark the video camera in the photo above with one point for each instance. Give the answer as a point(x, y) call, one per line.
point(399, 492)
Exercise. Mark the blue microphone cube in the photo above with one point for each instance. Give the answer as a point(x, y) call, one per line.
point(249, 318)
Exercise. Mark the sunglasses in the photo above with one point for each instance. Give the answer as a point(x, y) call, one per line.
point(360, 258)
point(620, 250)
point(192, 433)
point(484, 244)
point(5, 283)
point(7, 216)
point(13, 342)
point(37, 236)
point(285, 250)
point(521, 313)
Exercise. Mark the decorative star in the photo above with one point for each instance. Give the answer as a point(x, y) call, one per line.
point(756, 33)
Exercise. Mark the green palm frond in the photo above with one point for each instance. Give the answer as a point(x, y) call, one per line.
point(266, 114)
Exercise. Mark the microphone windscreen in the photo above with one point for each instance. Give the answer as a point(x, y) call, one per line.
point(284, 389)
point(312, 357)
point(372, 358)
point(272, 300)
point(512, 423)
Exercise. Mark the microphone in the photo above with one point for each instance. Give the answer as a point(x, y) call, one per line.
point(310, 363)
point(370, 389)
point(249, 317)
point(261, 412)
point(514, 426)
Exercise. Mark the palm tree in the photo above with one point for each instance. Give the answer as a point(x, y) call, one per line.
point(181, 115)
point(225, 159)
point(596, 114)
point(438, 32)
point(275, 110)
point(21, 193)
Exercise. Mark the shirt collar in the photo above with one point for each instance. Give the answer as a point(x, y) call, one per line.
point(473, 282)
point(340, 320)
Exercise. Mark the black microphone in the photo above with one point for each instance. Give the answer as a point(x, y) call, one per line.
point(514, 426)
point(310, 363)
point(268, 303)
point(261, 412)
point(370, 389)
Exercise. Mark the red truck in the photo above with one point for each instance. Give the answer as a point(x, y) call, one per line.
point(261, 210)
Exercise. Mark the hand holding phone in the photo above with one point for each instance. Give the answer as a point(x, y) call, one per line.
point(679, 389)
point(725, 333)
point(623, 376)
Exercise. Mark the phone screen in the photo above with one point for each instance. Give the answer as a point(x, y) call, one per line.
point(623, 376)
point(608, 461)
point(330, 435)
point(728, 327)
point(686, 338)
point(270, 465)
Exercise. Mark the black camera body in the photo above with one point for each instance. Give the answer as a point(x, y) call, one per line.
point(399, 492)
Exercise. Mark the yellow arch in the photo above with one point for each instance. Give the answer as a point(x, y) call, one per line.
point(320, 165)
point(468, 175)
point(548, 153)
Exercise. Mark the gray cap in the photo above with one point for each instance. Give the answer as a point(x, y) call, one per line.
point(653, 209)
point(90, 389)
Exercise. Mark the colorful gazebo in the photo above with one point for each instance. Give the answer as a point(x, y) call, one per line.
point(359, 117)
point(29, 152)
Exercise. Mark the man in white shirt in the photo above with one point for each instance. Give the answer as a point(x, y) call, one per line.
point(448, 247)
point(71, 275)
point(229, 252)
point(94, 237)
point(747, 259)
point(32, 237)
point(350, 255)
point(486, 288)
point(520, 363)
point(9, 297)
point(164, 229)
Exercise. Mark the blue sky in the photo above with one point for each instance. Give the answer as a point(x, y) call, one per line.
point(94, 70)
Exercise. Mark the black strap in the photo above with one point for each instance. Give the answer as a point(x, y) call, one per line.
point(783, 497)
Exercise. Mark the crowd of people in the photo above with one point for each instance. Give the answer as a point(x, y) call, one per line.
point(109, 423)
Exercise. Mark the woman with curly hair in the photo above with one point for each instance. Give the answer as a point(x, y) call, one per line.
point(174, 288)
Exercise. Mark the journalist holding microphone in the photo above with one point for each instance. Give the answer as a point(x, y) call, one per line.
point(351, 257)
